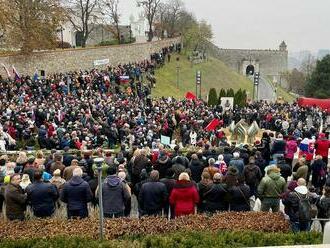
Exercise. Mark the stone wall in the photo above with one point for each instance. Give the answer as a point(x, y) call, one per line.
point(270, 63)
point(76, 59)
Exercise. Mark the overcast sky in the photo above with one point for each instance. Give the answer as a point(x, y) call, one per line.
point(303, 24)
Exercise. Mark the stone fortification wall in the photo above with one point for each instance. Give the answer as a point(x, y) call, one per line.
point(76, 59)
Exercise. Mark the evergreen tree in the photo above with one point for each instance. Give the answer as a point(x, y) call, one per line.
point(238, 98)
point(230, 93)
point(318, 84)
point(222, 94)
point(213, 98)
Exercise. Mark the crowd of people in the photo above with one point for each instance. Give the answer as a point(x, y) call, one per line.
point(88, 111)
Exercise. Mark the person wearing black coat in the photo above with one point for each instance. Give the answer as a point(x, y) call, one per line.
point(239, 197)
point(76, 193)
point(215, 199)
point(163, 163)
point(169, 182)
point(323, 206)
point(318, 169)
point(196, 167)
point(286, 170)
point(42, 197)
point(153, 195)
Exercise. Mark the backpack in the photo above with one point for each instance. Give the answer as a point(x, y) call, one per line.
point(251, 175)
point(304, 208)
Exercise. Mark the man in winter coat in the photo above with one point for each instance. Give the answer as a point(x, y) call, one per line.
point(286, 169)
point(298, 208)
point(153, 195)
point(252, 176)
point(76, 193)
point(42, 196)
point(115, 195)
point(270, 189)
point(196, 167)
point(215, 198)
point(163, 163)
point(278, 147)
point(238, 163)
point(318, 169)
point(15, 199)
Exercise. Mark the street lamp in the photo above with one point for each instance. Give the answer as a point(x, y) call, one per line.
point(177, 71)
point(61, 30)
point(98, 162)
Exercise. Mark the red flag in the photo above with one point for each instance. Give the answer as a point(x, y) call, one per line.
point(190, 96)
point(212, 125)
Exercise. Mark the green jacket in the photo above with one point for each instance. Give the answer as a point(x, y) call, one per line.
point(271, 186)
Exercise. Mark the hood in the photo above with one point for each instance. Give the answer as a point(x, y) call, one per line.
point(76, 181)
point(301, 190)
point(113, 181)
point(163, 159)
point(275, 175)
point(250, 166)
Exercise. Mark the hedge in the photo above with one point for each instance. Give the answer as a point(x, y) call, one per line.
point(178, 239)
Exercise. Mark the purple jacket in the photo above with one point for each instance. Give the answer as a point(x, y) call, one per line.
point(291, 149)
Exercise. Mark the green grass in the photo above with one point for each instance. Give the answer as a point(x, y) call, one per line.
point(215, 74)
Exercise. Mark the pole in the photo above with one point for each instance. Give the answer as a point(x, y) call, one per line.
point(62, 37)
point(98, 162)
point(130, 34)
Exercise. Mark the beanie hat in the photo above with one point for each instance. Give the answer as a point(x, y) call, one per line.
point(184, 177)
point(46, 176)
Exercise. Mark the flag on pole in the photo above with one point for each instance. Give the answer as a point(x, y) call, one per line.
point(36, 76)
point(5, 68)
point(190, 96)
point(16, 75)
point(212, 125)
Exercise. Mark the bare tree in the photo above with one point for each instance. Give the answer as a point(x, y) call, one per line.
point(174, 13)
point(111, 11)
point(30, 24)
point(150, 9)
point(83, 16)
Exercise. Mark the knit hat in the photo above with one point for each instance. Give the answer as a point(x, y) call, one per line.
point(57, 172)
point(184, 177)
point(46, 176)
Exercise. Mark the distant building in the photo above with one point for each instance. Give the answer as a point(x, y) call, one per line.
point(101, 32)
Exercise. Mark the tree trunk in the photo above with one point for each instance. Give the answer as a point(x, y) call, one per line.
point(150, 33)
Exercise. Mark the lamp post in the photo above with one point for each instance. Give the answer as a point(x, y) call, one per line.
point(61, 30)
point(177, 71)
point(99, 162)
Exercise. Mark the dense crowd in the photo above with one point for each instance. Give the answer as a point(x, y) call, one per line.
point(89, 110)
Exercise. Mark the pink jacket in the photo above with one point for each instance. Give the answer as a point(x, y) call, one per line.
point(290, 149)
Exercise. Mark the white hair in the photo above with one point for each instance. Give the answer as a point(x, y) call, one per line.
point(122, 175)
point(211, 161)
point(220, 157)
point(236, 155)
point(77, 172)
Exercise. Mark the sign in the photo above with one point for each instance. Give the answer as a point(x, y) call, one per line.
point(165, 140)
point(227, 103)
point(101, 62)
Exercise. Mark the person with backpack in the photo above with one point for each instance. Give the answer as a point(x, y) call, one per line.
point(299, 210)
point(318, 169)
point(252, 176)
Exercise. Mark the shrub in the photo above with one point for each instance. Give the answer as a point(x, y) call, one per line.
point(213, 98)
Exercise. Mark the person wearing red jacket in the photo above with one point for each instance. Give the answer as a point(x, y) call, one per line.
point(322, 147)
point(184, 196)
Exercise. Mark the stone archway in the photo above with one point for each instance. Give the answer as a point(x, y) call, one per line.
point(249, 70)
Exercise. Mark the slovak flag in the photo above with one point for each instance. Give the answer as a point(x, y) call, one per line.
point(16, 75)
point(124, 79)
point(190, 96)
point(35, 76)
point(306, 148)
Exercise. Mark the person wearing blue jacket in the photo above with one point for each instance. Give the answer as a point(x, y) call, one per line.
point(76, 194)
point(41, 196)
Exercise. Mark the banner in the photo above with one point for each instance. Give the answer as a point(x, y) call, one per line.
point(165, 140)
point(101, 62)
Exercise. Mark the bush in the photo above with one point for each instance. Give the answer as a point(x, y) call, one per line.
point(177, 239)
point(65, 44)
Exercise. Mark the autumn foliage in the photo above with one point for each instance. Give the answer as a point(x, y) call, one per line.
point(115, 228)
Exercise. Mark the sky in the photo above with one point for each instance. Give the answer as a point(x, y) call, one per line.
point(260, 24)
